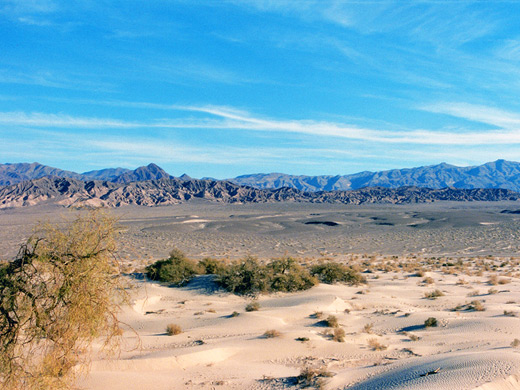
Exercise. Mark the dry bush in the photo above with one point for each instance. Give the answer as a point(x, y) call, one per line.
point(476, 305)
point(515, 343)
point(317, 314)
point(433, 294)
point(253, 306)
point(504, 281)
point(173, 329)
point(413, 337)
point(332, 321)
point(368, 328)
point(376, 345)
point(492, 291)
point(428, 280)
point(272, 333)
point(60, 294)
point(339, 335)
point(493, 280)
point(313, 377)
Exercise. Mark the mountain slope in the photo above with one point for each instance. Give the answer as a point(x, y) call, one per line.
point(16, 173)
point(166, 191)
point(497, 174)
point(108, 174)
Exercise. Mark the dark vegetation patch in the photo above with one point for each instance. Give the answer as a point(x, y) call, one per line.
point(326, 223)
point(510, 212)
point(249, 277)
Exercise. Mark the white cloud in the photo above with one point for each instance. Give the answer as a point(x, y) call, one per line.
point(228, 118)
point(478, 113)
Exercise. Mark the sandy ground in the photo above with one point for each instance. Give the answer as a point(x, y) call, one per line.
point(466, 350)
point(267, 230)
point(450, 242)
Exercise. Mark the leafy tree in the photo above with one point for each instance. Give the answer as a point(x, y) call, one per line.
point(56, 298)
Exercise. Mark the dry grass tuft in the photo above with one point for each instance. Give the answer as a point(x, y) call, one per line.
point(272, 333)
point(173, 329)
point(376, 345)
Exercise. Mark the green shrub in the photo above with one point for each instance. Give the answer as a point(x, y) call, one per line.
point(177, 269)
point(245, 277)
point(249, 277)
point(432, 321)
point(287, 275)
point(211, 266)
point(334, 272)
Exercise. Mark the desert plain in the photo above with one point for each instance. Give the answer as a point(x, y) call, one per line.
point(454, 266)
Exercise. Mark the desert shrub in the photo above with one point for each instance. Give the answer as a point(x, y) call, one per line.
point(317, 314)
point(211, 266)
point(430, 322)
point(434, 294)
point(332, 321)
point(368, 328)
point(248, 277)
point(313, 377)
point(245, 277)
point(253, 306)
point(287, 276)
point(173, 329)
point(177, 269)
point(334, 272)
point(476, 305)
point(272, 333)
point(376, 345)
point(234, 314)
point(339, 335)
point(413, 337)
point(56, 298)
point(492, 291)
point(302, 339)
point(515, 343)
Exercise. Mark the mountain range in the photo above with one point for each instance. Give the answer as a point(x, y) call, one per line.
point(26, 184)
point(497, 174)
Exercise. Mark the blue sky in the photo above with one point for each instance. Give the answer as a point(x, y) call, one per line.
point(222, 88)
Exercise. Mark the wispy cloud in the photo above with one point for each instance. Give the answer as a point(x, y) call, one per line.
point(478, 113)
point(230, 119)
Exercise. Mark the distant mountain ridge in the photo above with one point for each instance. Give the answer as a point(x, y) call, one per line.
point(166, 191)
point(17, 173)
point(497, 174)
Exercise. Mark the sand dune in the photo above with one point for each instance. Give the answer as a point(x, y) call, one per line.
point(468, 350)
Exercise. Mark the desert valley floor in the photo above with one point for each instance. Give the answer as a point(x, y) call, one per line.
point(455, 262)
